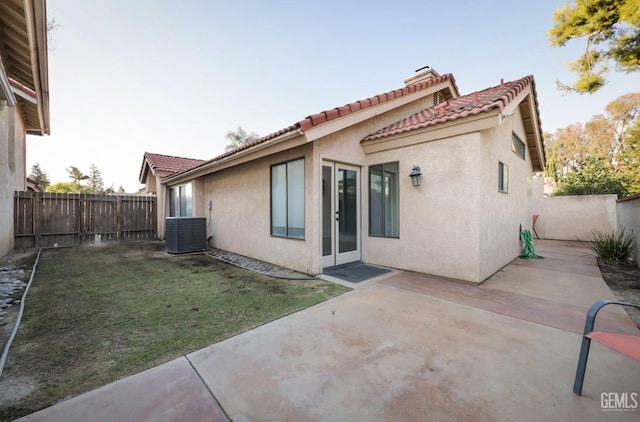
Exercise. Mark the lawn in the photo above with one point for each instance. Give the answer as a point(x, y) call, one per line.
point(95, 314)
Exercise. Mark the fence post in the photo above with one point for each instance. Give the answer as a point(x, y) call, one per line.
point(119, 233)
point(36, 203)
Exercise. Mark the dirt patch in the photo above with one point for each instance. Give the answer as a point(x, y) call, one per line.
point(15, 271)
point(624, 282)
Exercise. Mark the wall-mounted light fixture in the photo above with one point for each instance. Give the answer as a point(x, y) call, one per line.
point(415, 175)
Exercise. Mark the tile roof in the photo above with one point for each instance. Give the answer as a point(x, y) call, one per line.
point(168, 163)
point(259, 141)
point(334, 113)
point(326, 115)
point(496, 97)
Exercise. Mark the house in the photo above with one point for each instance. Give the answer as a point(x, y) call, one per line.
point(154, 168)
point(335, 187)
point(24, 99)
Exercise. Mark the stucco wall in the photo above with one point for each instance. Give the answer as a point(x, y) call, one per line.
point(629, 218)
point(12, 170)
point(573, 217)
point(240, 215)
point(455, 224)
point(438, 228)
point(502, 214)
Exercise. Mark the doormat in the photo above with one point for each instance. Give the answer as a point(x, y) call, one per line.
point(354, 272)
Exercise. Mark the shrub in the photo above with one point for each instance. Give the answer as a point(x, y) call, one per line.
point(592, 177)
point(613, 248)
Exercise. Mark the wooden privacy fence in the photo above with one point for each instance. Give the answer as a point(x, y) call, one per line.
point(49, 219)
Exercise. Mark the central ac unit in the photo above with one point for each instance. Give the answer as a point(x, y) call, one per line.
point(186, 234)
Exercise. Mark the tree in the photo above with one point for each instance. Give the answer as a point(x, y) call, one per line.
point(630, 159)
point(623, 113)
point(605, 135)
point(67, 187)
point(593, 177)
point(612, 24)
point(239, 138)
point(76, 175)
point(564, 150)
point(39, 175)
point(94, 180)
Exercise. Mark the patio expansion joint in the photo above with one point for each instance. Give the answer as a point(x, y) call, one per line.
point(547, 312)
point(213, 396)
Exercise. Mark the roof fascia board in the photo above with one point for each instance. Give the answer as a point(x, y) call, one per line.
point(272, 146)
point(36, 19)
point(526, 95)
point(450, 129)
point(536, 130)
point(23, 92)
point(146, 167)
point(351, 119)
point(513, 104)
point(5, 86)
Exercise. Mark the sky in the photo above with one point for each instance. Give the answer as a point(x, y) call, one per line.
point(174, 76)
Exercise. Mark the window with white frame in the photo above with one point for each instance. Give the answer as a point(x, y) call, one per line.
point(503, 177)
point(181, 201)
point(383, 200)
point(287, 199)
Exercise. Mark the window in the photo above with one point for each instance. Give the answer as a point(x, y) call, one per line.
point(517, 146)
point(383, 200)
point(503, 177)
point(287, 199)
point(181, 201)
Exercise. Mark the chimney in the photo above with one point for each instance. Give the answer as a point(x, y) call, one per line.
point(422, 74)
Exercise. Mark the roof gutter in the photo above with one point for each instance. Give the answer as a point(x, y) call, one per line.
point(204, 169)
point(36, 19)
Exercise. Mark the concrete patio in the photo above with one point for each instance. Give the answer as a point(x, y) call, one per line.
point(403, 346)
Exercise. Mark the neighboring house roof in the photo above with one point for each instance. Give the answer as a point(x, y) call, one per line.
point(334, 113)
point(34, 185)
point(497, 97)
point(24, 60)
point(166, 163)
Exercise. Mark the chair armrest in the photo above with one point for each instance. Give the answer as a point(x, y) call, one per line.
point(595, 308)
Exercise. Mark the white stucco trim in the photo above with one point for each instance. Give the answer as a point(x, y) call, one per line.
point(359, 116)
point(432, 133)
point(235, 159)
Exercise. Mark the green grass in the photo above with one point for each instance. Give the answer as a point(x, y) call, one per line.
point(98, 313)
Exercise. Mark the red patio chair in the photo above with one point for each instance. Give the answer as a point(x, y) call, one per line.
point(622, 343)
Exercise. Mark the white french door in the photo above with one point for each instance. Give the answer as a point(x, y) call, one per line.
point(340, 214)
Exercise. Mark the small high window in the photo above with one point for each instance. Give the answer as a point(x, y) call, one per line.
point(503, 177)
point(517, 146)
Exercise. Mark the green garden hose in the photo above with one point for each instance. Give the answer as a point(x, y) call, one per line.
point(528, 251)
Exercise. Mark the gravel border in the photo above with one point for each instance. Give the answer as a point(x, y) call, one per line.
point(257, 266)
